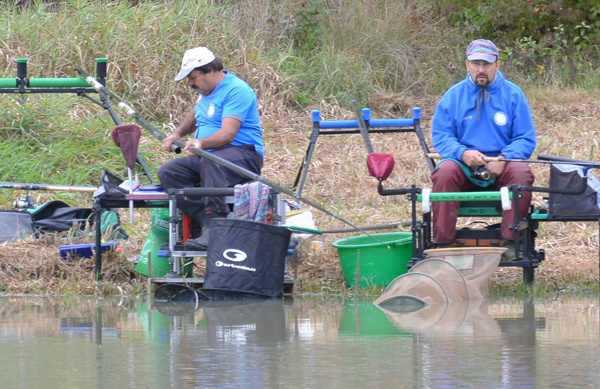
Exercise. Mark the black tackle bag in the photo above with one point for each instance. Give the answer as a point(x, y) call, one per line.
point(572, 207)
point(58, 216)
point(246, 257)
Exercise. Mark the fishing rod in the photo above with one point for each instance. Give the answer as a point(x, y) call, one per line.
point(125, 107)
point(543, 158)
point(64, 188)
point(178, 145)
point(548, 162)
point(364, 131)
point(370, 228)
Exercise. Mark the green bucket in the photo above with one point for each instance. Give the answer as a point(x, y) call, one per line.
point(374, 262)
point(158, 236)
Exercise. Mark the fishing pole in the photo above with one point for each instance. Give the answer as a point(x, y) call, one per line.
point(178, 145)
point(364, 131)
point(557, 162)
point(124, 106)
point(551, 160)
point(64, 188)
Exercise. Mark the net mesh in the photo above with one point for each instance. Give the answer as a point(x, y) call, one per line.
point(475, 263)
point(447, 277)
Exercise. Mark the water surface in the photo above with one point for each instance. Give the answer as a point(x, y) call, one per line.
point(305, 341)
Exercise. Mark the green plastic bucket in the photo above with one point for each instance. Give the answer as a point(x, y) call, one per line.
point(371, 261)
point(157, 237)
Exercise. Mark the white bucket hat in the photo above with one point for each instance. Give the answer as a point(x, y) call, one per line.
point(192, 59)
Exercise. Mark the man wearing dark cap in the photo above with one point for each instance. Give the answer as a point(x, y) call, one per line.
point(485, 115)
point(225, 122)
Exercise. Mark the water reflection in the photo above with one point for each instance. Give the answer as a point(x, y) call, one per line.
point(305, 341)
point(447, 336)
point(237, 322)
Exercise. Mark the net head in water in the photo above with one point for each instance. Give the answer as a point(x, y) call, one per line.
point(403, 304)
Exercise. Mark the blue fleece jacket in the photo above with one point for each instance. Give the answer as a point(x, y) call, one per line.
point(504, 126)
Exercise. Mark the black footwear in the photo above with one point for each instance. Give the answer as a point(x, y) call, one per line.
point(201, 243)
point(510, 254)
point(443, 245)
point(195, 230)
point(198, 244)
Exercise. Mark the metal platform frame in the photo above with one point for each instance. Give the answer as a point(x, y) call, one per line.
point(528, 257)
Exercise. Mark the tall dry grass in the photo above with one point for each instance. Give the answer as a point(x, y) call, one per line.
point(394, 55)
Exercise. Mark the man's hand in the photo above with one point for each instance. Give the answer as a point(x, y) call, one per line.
point(495, 168)
point(196, 143)
point(473, 158)
point(169, 140)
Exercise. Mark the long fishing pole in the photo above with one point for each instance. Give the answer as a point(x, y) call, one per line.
point(58, 188)
point(364, 131)
point(124, 106)
point(178, 145)
point(553, 161)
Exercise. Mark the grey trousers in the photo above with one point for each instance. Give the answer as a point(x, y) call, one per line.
point(188, 172)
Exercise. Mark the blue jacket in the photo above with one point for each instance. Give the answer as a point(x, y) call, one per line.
point(504, 127)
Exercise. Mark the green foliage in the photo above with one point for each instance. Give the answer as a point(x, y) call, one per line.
point(306, 30)
point(510, 20)
point(537, 38)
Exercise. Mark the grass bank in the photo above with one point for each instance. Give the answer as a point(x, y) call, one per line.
point(298, 56)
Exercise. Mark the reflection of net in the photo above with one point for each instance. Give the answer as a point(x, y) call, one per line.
point(466, 317)
point(432, 281)
point(475, 263)
point(440, 291)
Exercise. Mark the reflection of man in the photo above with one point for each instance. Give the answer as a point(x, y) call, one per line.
point(225, 122)
point(483, 115)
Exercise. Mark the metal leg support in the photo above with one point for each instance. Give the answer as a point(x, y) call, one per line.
point(174, 219)
point(97, 209)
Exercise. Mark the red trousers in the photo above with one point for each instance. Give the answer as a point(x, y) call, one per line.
point(449, 177)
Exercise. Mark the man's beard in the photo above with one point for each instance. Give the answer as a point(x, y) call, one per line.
point(482, 82)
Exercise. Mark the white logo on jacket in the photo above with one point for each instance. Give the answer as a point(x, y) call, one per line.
point(500, 118)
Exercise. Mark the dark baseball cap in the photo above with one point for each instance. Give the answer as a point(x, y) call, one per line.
point(482, 50)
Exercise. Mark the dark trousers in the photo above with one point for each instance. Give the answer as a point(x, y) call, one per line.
point(449, 177)
point(188, 172)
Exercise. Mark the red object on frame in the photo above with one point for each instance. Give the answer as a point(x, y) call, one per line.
point(380, 165)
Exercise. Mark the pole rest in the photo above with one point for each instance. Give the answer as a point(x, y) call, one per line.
point(23, 84)
point(371, 123)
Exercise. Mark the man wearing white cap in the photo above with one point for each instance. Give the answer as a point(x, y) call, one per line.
point(224, 121)
point(483, 115)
